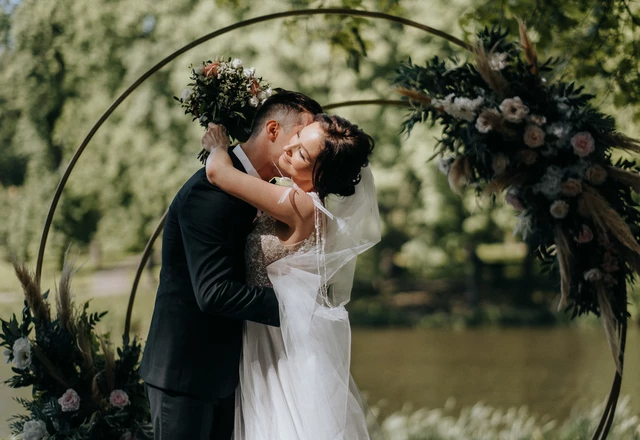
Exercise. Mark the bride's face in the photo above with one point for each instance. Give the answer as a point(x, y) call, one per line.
point(300, 154)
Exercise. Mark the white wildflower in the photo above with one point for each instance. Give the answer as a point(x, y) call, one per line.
point(236, 64)
point(199, 70)
point(186, 94)
point(498, 60)
point(514, 109)
point(551, 183)
point(22, 353)
point(249, 72)
point(465, 108)
point(34, 430)
point(444, 164)
point(523, 227)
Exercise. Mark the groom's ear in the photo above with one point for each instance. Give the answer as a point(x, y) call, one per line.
point(272, 128)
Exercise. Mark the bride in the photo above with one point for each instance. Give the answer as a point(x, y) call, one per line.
point(294, 379)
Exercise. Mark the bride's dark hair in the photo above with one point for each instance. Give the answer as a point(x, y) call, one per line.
point(346, 150)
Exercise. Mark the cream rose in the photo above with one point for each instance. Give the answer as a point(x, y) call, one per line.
point(483, 123)
point(70, 401)
point(583, 144)
point(559, 209)
point(533, 136)
point(572, 188)
point(596, 175)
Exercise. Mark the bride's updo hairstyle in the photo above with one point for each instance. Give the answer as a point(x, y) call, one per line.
point(346, 150)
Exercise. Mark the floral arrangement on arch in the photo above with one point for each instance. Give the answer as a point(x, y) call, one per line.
point(225, 93)
point(80, 388)
point(507, 128)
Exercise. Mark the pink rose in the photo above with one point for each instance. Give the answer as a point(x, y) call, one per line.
point(586, 235)
point(119, 398)
point(610, 263)
point(593, 275)
point(211, 69)
point(70, 401)
point(572, 188)
point(533, 136)
point(583, 143)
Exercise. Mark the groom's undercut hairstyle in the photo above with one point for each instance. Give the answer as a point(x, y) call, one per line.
point(287, 108)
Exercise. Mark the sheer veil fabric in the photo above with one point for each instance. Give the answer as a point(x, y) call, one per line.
point(295, 381)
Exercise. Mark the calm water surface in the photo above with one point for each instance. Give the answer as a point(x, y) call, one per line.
point(549, 370)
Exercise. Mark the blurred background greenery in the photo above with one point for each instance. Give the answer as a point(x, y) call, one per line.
point(449, 276)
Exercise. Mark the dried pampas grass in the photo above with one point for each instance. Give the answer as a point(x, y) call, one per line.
point(32, 293)
point(414, 95)
point(528, 48)
point(593, 205)
point(460, 174)
point(564, 255)
point(625, 177)
point(109, 363)
point(493, 78)
point(609, 323)
point(623, 142)
point(501, 183)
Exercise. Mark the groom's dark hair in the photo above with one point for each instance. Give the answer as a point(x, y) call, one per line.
point(287, 108)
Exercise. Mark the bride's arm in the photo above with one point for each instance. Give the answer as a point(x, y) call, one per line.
point(295, 210)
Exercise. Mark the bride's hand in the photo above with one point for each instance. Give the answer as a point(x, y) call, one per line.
point(215, 136)
point(216, 141)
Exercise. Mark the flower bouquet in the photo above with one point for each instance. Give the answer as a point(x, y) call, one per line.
point(80, 388)
point(507, 128)
point(225, 93)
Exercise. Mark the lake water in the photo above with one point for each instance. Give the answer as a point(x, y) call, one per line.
point(549, 370)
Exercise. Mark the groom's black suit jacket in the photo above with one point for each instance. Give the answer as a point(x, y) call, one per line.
point(195, 338)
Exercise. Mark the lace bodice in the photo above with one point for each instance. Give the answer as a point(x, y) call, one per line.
point(264, 247)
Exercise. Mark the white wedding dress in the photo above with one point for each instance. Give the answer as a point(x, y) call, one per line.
point(295, 382)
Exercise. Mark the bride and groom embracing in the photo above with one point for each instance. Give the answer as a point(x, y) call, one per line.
point(249, 338)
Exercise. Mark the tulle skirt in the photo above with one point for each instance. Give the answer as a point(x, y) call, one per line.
point(294, 380)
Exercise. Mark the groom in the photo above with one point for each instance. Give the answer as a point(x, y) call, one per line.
point(191, 359)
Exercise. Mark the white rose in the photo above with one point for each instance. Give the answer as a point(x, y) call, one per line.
point(559, 209)
point(254, 101)
point(499, 163)
point(262, 96)
point(70, 401)
point(236, 64)
point(186, 94)
point(514, 109)
point(249, 72)
point(199, 70)
point(7, 356)
point(551, 183)
point(497, 61)
point(22, 353)
point(523, 227)
point(268, 92)
point(593, 275)
point(34, 430)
